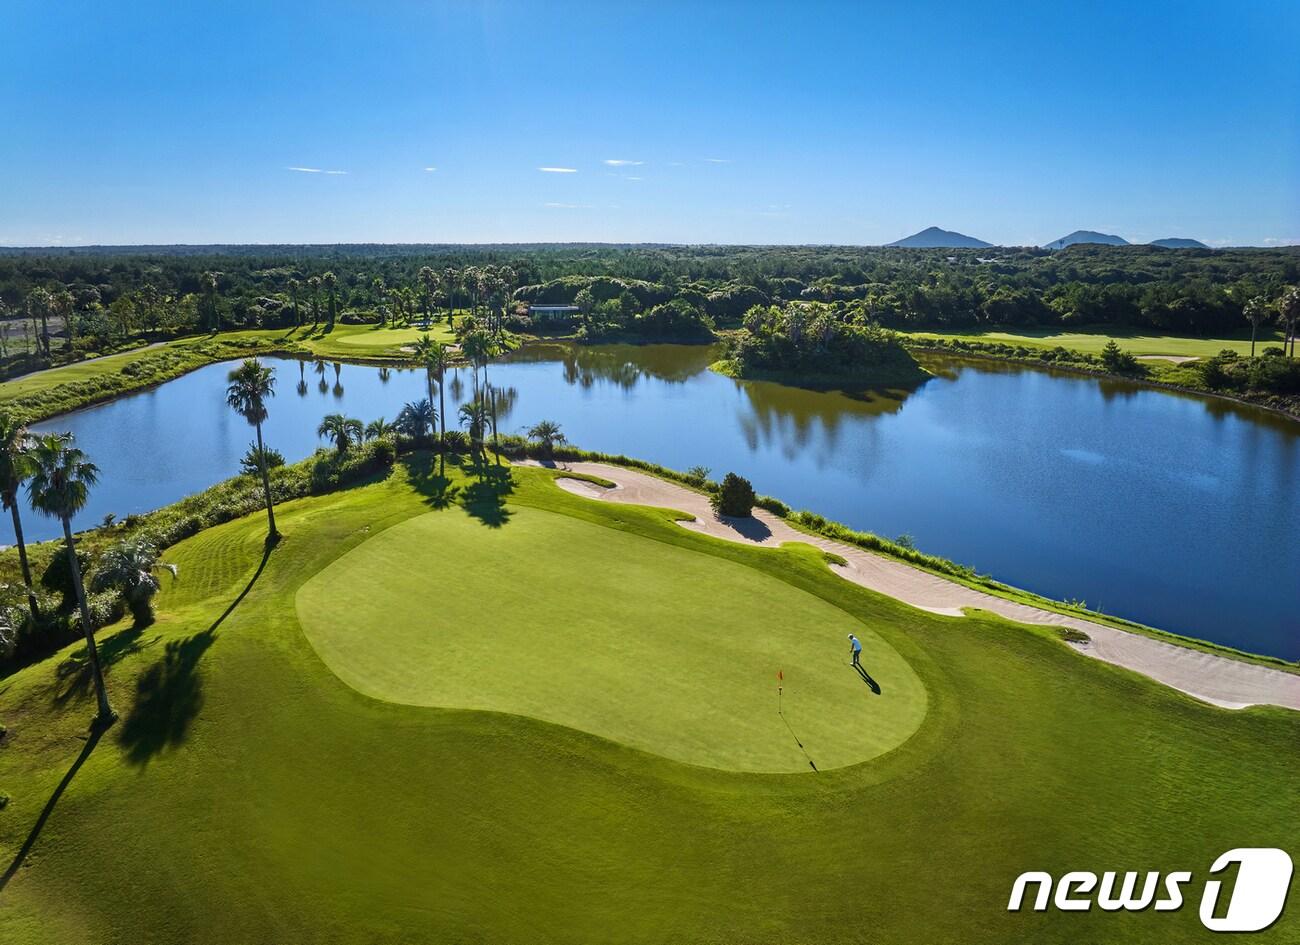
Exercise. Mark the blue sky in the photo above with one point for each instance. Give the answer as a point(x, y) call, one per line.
point(160, 122)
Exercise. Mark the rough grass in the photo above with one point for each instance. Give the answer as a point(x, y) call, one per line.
point(248, 794)
point(640, 642)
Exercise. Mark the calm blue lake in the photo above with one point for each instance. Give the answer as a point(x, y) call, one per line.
point(1176, 511)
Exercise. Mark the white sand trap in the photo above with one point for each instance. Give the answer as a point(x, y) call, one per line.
point(1220, 680)
point(1175, 358)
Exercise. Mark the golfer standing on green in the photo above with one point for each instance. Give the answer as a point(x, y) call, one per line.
point(857, 649)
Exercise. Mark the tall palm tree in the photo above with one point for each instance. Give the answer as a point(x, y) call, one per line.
point(38, 307)
point(313, 287)
point(294, 287)
point(208, 282)
point(428, 281)
point(341, 431)
point(380, 291)
point(59, 486)
point(330, 282)
point(1257, 312)
point(250, 386)
point(1288, 310)
point(15, 467)
point(433, 354)
point(450, 282)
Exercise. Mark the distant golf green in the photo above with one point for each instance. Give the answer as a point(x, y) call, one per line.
point(640, 642)
point(1091, 341)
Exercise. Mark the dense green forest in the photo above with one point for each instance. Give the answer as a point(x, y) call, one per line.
point(63, 304)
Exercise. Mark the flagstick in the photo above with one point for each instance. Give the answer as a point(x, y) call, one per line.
point(778, 700)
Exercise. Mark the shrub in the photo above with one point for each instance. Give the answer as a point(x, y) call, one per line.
point(455, 441)
point(249, 464)
point(734, 498)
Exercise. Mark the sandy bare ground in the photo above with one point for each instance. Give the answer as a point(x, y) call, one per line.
point(1175, 358)
point(1219, 680)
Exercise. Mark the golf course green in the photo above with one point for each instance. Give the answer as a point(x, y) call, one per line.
point(482, 709)
point(652, 645)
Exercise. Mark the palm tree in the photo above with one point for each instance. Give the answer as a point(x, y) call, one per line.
point(474, 417)
point(295, 287)
point(302, 377)
point(547, 433)
point(379, 291)
point(38, 306)
point(251, 384)
point(415, 419)
point(331, 284)
point(1288, 310)
point(208, 282)
point(313, 286)
point(436, 361)
point(450, 282)
point(428, 280)
point(15, 467)
point(1257, 312)
point(59, 486)
point(128, 567)
point(378, 428)
point(341, 431)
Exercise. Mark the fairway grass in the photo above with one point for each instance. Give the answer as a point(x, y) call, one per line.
point(1092, 342)
point(661, 648)
point(248, 794)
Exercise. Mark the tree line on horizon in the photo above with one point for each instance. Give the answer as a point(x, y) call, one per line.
point(97, 301)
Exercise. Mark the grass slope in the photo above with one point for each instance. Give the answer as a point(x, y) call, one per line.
point(644, 643)
point(247, 794)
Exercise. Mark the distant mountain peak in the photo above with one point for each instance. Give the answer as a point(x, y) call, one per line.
point(1179, 242)
point(934, 238)
point(1087, 236)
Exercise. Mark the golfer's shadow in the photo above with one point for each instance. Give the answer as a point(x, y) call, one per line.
point(866, 678)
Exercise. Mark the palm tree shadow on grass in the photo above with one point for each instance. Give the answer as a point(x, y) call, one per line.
point(429, 479)
point(92, 740)
point(169, 694)
point(485, 498)
point(72, 677)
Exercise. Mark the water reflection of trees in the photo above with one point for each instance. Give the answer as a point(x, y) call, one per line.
point(797, 420)
point(621, 365)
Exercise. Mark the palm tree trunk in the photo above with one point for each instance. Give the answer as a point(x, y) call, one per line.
point(272, 535)
point(1253, 329)
point(22, 560)
point(442, 419)
point(106, 713)
point(492, 406)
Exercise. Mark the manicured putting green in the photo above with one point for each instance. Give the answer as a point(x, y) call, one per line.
point(386, 339)
point(658, 647)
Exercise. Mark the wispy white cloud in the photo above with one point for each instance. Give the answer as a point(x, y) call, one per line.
point(717, 160)
point(558, 170)
point(430, 168)
point(622, 162)
point(313, 170)
point(555, 205)
point(630, 177)
point(1281, 241)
